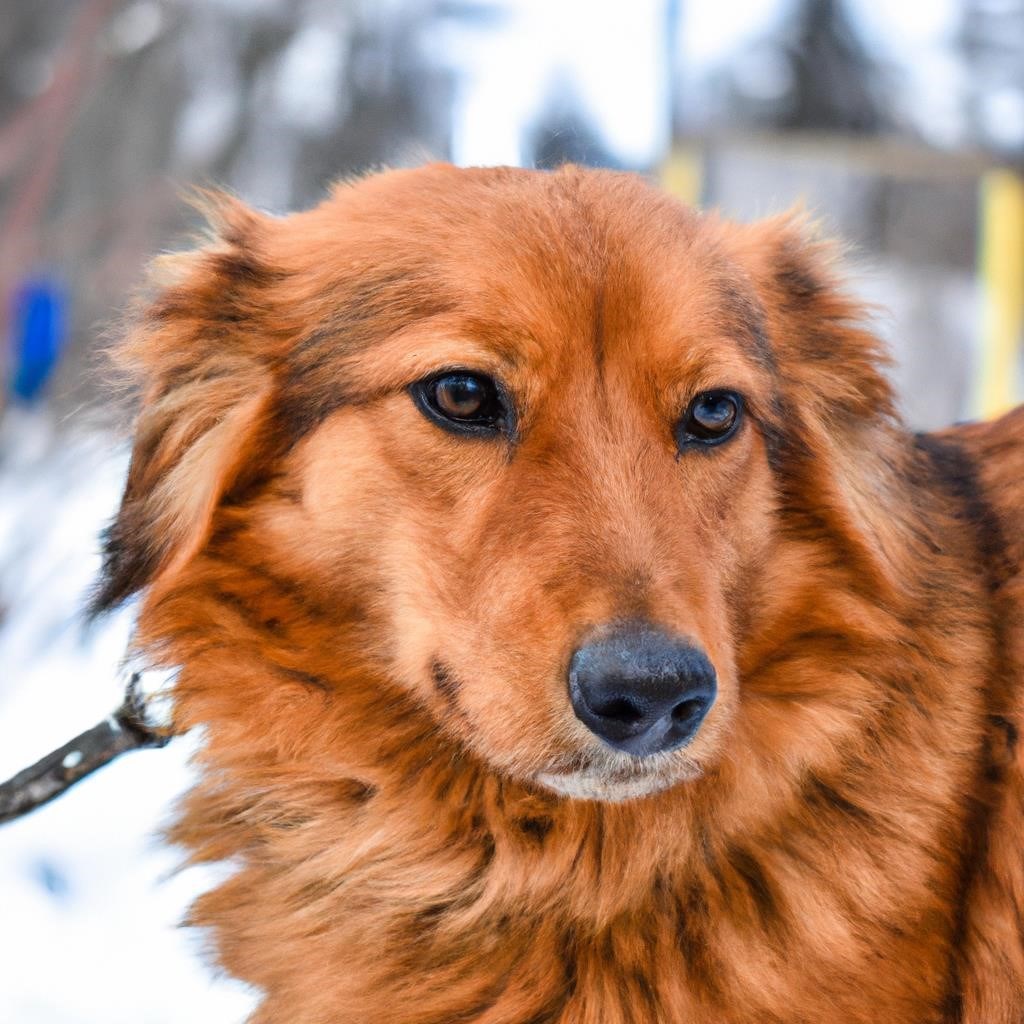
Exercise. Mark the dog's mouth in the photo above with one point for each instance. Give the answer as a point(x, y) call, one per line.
point(619, 781)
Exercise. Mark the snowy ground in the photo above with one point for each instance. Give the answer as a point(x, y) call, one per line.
point(88, 896)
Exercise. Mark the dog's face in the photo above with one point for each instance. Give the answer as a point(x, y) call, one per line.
point(531, 428)
point(560, 453)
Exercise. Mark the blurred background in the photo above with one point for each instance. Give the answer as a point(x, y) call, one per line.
point(901, 125)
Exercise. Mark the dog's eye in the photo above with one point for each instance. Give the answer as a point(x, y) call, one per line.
point(712, 417)
point(461, 398)
point(462, 402)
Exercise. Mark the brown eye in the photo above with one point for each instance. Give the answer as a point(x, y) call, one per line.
point(463, 402)
point(711, 418)
point(460, 398)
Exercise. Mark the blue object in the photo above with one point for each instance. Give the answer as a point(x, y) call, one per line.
point(39, 333)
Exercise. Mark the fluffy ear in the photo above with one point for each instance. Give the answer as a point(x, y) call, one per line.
point(837, 439)
point(819, 330)
point(195, 353)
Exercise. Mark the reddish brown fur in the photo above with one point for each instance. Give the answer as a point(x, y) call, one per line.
point(374, 620)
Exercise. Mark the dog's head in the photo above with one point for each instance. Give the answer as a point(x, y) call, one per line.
point(538, 445)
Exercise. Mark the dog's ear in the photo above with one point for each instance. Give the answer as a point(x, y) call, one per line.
point(836, 437)
point(819, 330)
point(194, 351)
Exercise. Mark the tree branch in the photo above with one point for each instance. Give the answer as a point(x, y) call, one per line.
point(126, 729)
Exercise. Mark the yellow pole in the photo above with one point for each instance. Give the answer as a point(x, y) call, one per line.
point(1001, 255)
point(682, 174)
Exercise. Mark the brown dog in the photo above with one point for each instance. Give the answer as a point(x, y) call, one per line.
point(577, 633)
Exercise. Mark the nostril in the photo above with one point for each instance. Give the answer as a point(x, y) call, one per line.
point(686, 710)
point(619, 708)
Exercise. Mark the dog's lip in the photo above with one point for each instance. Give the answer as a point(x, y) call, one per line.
point(638, 777)
point(609, 786)
point(622, 774)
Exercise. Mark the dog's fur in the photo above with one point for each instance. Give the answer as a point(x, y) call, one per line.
point(373, 620)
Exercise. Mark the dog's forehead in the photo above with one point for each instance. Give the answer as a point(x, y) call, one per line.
point(560, 232)
point(535, 263)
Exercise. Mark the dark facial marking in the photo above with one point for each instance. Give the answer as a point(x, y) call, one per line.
point(241, 268)
point(822, 794)
point(798, 284)
point(278, 585)
point(244, 610)
point(781, 431)
point(312, 377)
point(826, 643)
point(356, 791)
point(1005, 742)
point(692, 923)
point(957, 472)
point(319, 889)
point(445, 682)
point(535, 828)
point(750, 326)
point(232, 276)
point(710, 860)
point(746, 865)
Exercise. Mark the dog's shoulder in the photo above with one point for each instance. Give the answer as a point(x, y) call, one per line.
point(981, 465)
point(996, 447)
point(992, 942)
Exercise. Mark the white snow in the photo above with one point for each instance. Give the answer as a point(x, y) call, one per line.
point(89, 899)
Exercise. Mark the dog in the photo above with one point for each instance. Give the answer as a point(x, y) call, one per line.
point(576, 632)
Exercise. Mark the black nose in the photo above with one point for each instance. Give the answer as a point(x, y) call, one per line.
point(640, 689)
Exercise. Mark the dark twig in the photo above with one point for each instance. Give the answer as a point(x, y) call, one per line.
point(126, 729)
